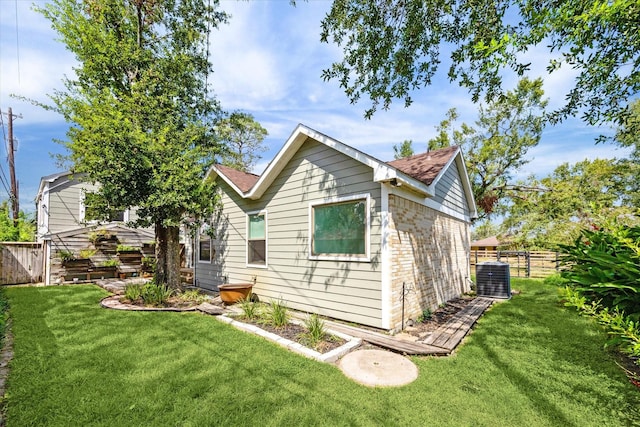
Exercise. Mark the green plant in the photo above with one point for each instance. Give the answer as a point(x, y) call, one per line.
point(155, 294)
point(555, 279)
point(278, 315)
point(426, 315)
point(126, 248)
point(133, 291)
point(65, 255)
point(100, 235)
point(316, 330)
point(251, 310)
point(149, 262)
point(192, 295)
point(604, 264)
point(86, 253)
point(111, 262)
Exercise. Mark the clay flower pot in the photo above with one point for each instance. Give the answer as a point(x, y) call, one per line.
point(231, 294)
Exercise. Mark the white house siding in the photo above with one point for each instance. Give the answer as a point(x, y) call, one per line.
point(340, 289)
point(430, 255)
point(450, 193)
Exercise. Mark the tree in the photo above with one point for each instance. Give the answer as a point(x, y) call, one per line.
point(23, 231)
point(404, 150)
point(484, 229)
point(243, 137)
point(141, 120)
point(575, 197)
point(393, 47)
point(628, 135)
point(497, 146)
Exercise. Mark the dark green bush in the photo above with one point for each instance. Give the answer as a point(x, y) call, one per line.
point(603, 264)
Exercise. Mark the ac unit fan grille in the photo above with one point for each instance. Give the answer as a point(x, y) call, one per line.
point(493, 280)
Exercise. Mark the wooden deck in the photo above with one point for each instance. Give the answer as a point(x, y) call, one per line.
point(440, 343)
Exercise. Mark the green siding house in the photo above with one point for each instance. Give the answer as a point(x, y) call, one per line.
point(331, 230)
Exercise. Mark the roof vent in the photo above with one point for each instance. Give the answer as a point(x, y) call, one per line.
point(493, 280)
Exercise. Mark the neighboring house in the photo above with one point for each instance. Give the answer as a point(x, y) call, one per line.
point(331, 230)
point(487, 244)
point(62, 224)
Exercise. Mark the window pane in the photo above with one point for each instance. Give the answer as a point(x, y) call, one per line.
point(257, 251)
point(339, 228)
point(256, 227)
point(205, 248)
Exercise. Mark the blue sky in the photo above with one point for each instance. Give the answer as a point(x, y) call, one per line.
point(268, 61)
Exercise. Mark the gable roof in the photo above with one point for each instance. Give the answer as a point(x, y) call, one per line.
point(243, 180)
point(419, 173)
point(427, 166)
point(488, 241)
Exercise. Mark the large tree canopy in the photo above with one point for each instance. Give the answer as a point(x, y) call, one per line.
point(497, 145)
point(392, 47)
point(140, 115)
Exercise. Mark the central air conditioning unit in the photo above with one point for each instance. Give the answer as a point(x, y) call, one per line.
point(493, 280)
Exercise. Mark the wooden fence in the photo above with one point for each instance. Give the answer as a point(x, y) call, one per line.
point(20, 262)
point(521, 263)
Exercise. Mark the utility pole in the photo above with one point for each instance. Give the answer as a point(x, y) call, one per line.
point(15, 204)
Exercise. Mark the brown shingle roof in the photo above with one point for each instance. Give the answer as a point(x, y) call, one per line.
point(425, 167)
point(243, 180)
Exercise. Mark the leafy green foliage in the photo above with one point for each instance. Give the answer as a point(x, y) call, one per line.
point(278, 314)
point(603, 264)
point(66, 255)
point(316, 330)
point(404, 150)
point(568, 200)
point(624, 332)
point(133, 291)
point(390, 48)
point(155, 294)
point(141, 120)
point(497, 146)
point(23, 231)
point(192, 295)
point(251, 310)
point(243, 138)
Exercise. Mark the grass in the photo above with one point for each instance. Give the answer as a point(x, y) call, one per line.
point(529, 362)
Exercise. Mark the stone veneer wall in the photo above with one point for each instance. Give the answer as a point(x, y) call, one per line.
point(430, 254)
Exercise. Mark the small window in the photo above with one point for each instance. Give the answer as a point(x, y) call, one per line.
point(257, 239)
point(340, 230)
point(204, 248)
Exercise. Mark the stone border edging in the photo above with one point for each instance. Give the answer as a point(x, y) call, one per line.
point(113, 302)
point(329, 357)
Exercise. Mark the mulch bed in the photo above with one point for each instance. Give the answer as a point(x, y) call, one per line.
point(296, 334)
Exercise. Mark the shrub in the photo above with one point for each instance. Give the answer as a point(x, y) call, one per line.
point(132, 291)
point(604, 264)
point(154, 294)
point(426, 315)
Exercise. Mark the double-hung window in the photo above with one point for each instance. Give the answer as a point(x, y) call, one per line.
point(339, 229)
point(257, 239)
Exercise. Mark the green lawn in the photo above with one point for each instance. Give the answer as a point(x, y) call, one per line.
point(529, 362)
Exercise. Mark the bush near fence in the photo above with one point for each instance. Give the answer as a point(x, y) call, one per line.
point(521, 263)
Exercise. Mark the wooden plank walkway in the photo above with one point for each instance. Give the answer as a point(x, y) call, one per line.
point(440, 343)
point(451, 333)
point(388, 341)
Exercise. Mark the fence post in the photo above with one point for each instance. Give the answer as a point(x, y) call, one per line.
point(528, 258)
point(557, 262)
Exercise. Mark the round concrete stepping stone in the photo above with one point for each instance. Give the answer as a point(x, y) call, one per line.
point(378, 368)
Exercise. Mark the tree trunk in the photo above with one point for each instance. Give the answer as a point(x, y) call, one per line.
point(168, 256)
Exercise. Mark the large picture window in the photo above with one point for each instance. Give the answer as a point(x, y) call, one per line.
point(257, 238)
point(340, 229)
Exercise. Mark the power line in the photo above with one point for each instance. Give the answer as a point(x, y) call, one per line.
point(17, 43)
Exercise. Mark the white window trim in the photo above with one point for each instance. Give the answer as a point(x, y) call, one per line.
point(266, 239)
point(367, 243)
point(83, 212)
point(201, 231)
